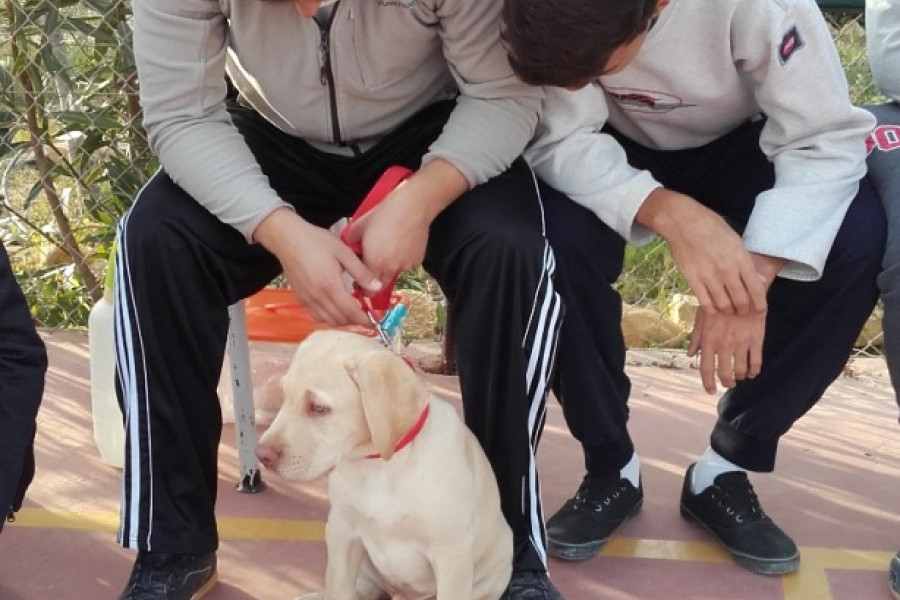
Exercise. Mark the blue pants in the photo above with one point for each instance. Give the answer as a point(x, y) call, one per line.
point(810, 330)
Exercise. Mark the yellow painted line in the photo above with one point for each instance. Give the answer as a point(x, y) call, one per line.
point(665, 549)
point(40, 518)
point(271, 529)
point(229, 527)
point(809, 583)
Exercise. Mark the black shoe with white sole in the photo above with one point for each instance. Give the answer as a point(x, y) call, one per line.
point(730, 511)
point(895, 576)
point(586, 521)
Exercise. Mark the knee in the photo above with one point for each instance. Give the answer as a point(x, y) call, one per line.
point(508, 246)
point(157, 227)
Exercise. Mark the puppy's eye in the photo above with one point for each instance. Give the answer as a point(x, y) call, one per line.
point(317, 410)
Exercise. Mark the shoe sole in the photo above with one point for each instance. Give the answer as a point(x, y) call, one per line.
point(579, 552)
point(755, 564)
point(207, 587)
point(894, 575)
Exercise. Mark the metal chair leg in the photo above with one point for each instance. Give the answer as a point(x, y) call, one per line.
point(238, 348)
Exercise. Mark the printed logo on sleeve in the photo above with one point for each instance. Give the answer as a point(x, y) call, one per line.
point(885, 137)
point(790, 43)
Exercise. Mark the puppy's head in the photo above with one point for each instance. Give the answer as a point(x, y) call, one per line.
point(345, 396)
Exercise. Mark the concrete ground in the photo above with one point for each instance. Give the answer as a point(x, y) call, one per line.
point(836, 490)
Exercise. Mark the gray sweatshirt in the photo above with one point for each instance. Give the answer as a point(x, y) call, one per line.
point(883, 44)
point(379, 63)
point(706, 67)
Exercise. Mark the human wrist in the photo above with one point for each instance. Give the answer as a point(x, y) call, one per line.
point(663, 212)
point(767, 266)
point(277, 228)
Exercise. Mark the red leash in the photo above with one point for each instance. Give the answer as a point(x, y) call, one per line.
point(388, 181)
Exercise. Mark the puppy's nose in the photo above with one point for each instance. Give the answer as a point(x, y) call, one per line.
point(268, 456)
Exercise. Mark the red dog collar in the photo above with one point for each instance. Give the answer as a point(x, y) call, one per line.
point(410, 435)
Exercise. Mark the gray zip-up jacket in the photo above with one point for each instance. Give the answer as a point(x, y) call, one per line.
point(340, 86)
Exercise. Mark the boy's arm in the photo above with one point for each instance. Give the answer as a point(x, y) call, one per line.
point(572, 155)
point(813, 134)
point(883, 44)
point(180, 48)
point(495, 113)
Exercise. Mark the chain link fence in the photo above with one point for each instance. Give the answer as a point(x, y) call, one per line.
point(73, 155)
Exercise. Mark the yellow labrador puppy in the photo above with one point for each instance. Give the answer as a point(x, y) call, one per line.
point(415, 511)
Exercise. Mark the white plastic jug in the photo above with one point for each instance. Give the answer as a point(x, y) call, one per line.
point(109, 433)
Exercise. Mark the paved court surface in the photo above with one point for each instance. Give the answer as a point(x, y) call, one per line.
point(836, 491)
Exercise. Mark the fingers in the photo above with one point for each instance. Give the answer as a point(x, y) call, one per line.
point(740, 294)
point(757, 289)
point(708, 371)
point(368, 281)
point(336, 306)
point(725, 368)
point(729, 348)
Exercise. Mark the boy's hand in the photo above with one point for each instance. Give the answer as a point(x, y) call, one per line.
point(730, 347)
point(313, 261)
point(394, 234)
point(710, 254)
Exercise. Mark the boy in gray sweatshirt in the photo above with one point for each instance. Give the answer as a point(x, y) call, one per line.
point(725, 127)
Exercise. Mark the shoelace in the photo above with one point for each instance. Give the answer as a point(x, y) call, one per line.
point(596, 494)
point(739, 499)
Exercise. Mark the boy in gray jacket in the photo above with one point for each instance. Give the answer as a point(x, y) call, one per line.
point(329, 94)
point(725, 127)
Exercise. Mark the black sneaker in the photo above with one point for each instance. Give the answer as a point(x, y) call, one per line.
point(158, 576)
point(530, 585)
point(729, 510)
point(895, 576)
point(584, 523)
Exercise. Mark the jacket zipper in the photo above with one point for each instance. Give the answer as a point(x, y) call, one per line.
point(326, 75)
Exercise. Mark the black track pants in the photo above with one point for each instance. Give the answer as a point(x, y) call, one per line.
point(23, 365)
point(179, 268)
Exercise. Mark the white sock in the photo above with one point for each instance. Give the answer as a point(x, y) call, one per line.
point(632, 471)
point(708, 467)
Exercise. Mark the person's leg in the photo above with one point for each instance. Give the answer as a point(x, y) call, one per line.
point(810, 330)
point(884, 172)
point(23, 364)
point(590, 380)
point(489, 254)
point(178, 269)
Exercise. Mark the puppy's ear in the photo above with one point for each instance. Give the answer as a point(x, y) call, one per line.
point(392, 395)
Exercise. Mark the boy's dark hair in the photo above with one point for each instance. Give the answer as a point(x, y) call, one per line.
point(567, 43)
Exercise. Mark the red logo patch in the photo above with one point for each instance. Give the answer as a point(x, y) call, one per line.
point(885, 137)
point(790, 43)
